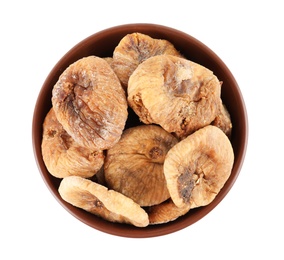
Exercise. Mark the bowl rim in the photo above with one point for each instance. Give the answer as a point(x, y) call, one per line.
point(124, 230)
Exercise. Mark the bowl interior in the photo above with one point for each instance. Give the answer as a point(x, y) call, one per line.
point(102, 44)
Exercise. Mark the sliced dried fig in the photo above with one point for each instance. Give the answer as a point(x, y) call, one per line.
point(165, 212)
point(178, 94)
point(63, 156)
point(198, 167)
point(135, 48)
point(134, 166)
point(98, 200)
point(223, 121)
point(90, 103)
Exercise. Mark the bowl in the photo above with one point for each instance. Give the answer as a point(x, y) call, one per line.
point(102, 44)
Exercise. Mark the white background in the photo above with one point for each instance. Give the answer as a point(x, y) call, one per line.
point(246, 35)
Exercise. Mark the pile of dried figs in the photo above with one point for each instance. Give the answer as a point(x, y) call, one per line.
point(177, 158)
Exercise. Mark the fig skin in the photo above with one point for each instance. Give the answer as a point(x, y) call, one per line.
point(223, 121)
point(98, 200)
point(135, 48)
point(178, 94)
point(90, 103)
point(63, 156)
point(197, 167)
point(165, 212)
point(134, 166)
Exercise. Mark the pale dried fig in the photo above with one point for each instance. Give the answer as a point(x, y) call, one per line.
point(135, 48)
point(134, 166)
point(98, 200)
point(99, 177)
point(223, 120)
point(109, 60)
point(90, 103)
point(165, 212)
point(178, 94)
point(198, 167)
point(63, 156)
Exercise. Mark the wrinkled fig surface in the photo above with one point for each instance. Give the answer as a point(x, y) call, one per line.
point(90, 103)
point(176, 93)
point(198, 167)
point(134, 166)
point(223, 121)
point(135, 48)
point(102, 202)
point(63, 156)
point(165, 212)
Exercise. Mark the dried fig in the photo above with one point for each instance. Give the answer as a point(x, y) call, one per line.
point(197, 167)
point(90, 103)
point(223, 121)
point(98, 200)
point(99, 177)
point(109, 60)
point(178, 94)
point(63, 156)
point(165, 212)
point(134, 166)
point(135, 48)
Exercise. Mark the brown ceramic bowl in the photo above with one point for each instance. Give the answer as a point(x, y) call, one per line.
point(102, 44)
